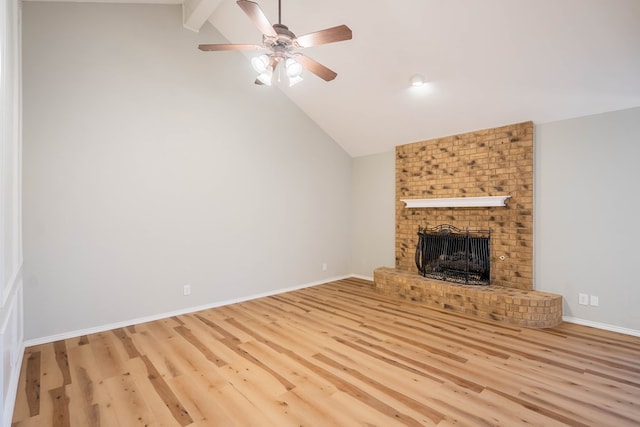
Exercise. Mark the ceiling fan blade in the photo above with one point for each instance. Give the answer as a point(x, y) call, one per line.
point(253, 11)
point(216, 47)
point(316, 68)
point(329, 35)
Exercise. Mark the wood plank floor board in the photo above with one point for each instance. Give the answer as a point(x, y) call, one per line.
point(303, 371)
point(336, 409)
point(462, 343)
point(203, 339)
point(400, 338)
point(198, 396)
point(125, 395)
point(337, 354)
point(306, 410)
point(213, 399)
point(160, 354)
point(518, 415)
point(109, 354)
point(569, 351)
point(297, 337)
point(546, 386)
point(261, 392)
point(593, 385)
point(164, 413)
point(466, 408)
point(385, 370)
point(398, 393)
point(160, 329)
point(319, 326)
point(583, 405)
point(206, 333)
point(87, 389)
point(546, 380)
point(175, 354)
point(365, 409)
point(270, 310)
point(32, 384)
point(189, 354)
point(267, 357)
point(51, 376)
point(521, 370)
point(288, 368)
point(322, 320)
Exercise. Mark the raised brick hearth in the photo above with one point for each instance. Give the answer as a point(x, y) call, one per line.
point(529, 309)
point(489, 162)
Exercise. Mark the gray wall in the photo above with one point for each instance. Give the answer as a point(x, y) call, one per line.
point(373, 213)
point(149, 165)
point(586, 214)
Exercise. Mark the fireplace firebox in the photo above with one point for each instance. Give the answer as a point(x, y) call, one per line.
point(448, 253)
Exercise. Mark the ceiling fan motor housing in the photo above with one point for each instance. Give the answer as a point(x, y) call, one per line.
point(284, 40)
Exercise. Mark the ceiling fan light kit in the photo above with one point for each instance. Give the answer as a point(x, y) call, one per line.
point(283, 46)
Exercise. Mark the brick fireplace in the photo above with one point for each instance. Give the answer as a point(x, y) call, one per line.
point(489, 162)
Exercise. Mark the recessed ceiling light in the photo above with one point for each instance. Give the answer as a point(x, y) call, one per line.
point(417, 80)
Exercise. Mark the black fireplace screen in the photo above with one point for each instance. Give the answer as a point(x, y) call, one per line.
point(447, 253)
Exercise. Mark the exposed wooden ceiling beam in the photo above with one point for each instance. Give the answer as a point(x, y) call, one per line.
point(196, 12)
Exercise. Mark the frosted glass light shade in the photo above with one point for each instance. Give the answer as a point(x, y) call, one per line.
point(260, 63)
point(294, 69)
point(294, 80)
point(266, 76)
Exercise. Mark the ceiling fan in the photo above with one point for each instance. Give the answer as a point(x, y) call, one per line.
point(282, 46)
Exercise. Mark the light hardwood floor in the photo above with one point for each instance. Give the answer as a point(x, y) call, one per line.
point(337, 354)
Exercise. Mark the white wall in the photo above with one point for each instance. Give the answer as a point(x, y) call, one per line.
point(586, 224)
point(373, 213)
point(11, 312)
point(149, 165)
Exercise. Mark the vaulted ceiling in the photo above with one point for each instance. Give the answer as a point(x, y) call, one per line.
point(487, 63)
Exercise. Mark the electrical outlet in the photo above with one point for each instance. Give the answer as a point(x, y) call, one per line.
point(583, 299)
point(186, 290)
point(324, 266)
point(593, 300)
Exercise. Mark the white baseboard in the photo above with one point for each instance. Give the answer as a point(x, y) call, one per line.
point(123, 324)
point(603, 326)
